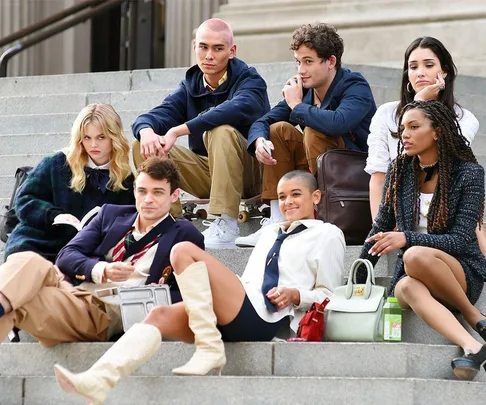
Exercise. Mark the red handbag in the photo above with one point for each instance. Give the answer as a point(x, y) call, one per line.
point(311, 326)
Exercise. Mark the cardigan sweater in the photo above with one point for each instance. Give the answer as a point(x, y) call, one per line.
point(466, 195)
point(46, 194)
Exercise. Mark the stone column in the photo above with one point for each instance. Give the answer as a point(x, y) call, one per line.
point(68, 52)
point(375, 32)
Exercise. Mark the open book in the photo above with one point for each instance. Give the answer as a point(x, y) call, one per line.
point(68, 219)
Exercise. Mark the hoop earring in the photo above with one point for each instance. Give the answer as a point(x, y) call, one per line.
point(408, 88)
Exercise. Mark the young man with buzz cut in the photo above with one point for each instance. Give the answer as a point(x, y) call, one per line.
point(331, 104)
point(214, 106)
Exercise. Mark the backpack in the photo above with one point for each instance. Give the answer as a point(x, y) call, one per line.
point(345, 200)
point(8, 217)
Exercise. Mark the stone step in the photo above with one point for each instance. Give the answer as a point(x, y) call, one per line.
point(328, 359)
point(254, 390)
point(146, 99)
point(129, 100)
point(237, 258)
point(155, 79)
point(43, 123)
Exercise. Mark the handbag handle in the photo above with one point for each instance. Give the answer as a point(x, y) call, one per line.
point(370, 278)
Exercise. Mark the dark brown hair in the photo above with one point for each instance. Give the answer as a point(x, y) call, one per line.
point(305, 177)
point(159, 168)
point(451, 145)
point(321, 37)
point(446, 96)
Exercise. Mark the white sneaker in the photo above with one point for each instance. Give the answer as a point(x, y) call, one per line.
point(219, 235)
point(252, 239)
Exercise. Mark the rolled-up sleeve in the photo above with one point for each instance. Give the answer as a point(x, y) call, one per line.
point(379, 156)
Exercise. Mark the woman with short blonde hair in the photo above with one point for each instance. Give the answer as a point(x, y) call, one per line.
point(93, 170)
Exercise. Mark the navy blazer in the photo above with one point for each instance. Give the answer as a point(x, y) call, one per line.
point(91, 244)
point(346, 111)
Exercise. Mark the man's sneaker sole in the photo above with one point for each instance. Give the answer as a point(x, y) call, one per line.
point(245, 245)
point(229, 245)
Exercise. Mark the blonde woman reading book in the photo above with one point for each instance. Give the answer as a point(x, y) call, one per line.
point(93, 170)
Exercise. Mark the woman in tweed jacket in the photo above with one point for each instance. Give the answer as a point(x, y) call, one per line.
point(94, 170)
point(433, 200)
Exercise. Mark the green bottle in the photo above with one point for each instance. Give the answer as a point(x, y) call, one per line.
point(392, 320)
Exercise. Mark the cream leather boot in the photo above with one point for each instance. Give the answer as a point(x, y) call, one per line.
point(198, 301)
point(133, 349)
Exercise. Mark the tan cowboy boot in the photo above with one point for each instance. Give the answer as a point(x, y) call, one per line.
point(132, 350)
point(198, 301)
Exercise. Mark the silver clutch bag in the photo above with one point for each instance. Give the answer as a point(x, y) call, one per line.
point(136, 302)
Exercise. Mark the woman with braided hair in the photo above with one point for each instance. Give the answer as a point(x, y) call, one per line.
point(432, 202)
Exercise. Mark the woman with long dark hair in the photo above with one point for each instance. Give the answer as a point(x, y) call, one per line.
point(432, 202)
point(429, 73)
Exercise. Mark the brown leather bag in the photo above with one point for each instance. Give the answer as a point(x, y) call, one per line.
point(345, 200)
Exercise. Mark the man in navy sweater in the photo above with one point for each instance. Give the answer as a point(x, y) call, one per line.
point(215, 105)
point(332, 105)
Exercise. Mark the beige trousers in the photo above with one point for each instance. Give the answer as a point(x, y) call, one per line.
point(226, 175)
point(294, 151)
point(47, 306)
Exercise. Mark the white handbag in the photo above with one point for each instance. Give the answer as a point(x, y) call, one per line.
point(354, 313)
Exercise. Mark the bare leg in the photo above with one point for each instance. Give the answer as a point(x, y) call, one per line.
point(481, 235)
point(5, 303)
point(227, 290)
point(172, 322)
point(432, 277)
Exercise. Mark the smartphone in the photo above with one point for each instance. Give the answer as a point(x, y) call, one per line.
point(267, 148)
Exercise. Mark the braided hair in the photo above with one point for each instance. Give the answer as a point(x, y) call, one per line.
point(452, 146)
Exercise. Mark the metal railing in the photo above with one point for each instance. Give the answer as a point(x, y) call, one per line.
point(97, 7)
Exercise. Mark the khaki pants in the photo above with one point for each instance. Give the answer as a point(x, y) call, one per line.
point(228, 174)
point(47, 306)
point(294, 151)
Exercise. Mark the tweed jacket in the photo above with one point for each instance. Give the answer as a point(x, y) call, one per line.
point(466, 195)
point(46, 193)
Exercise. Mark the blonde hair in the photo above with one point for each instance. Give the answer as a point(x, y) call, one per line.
point(106, 118)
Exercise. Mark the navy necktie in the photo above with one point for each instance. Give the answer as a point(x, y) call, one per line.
point(270, 278)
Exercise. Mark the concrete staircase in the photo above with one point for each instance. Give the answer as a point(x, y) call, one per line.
point(36, 114)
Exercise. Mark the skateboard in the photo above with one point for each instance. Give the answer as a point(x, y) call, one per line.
point(248, 207)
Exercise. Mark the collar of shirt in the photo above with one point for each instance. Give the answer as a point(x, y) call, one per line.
point(220, 82)
point(309, 223)
point(136, 227)
point(93, 165)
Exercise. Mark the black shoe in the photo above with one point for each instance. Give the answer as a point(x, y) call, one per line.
point(481, 329)
point(467, 366)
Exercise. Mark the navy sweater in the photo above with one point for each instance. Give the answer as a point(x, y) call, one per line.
point(44, 195)
point(238, 102)
point(346, 111)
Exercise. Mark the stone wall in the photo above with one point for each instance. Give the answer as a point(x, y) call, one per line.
point(375, 32)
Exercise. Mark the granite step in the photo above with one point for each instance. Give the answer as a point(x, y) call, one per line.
point(253, 390)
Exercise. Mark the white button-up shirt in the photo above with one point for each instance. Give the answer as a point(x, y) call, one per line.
point(311, 261)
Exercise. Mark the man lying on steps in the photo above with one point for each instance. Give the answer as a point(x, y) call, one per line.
point(124, 245)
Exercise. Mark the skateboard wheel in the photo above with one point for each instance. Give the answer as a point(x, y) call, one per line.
point(266, 212)
point(201, 214)
point(243, 216)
